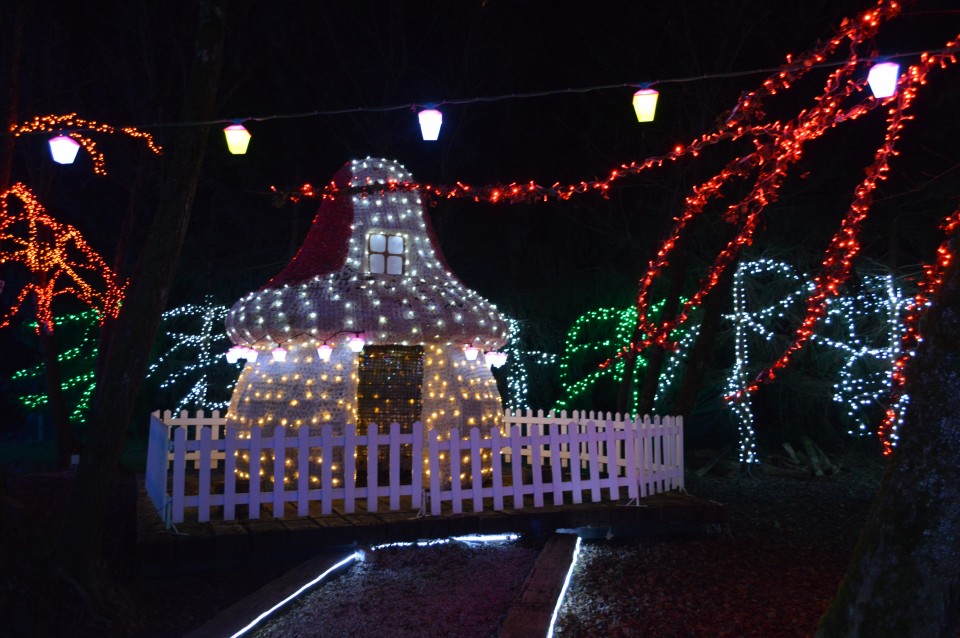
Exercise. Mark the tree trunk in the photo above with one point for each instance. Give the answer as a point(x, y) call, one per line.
point(56, 402)
point(904, 579)
point(128, 352)
point(702, 349)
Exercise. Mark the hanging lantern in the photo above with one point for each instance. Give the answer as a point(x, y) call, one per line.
point(238, 138)
point(430, 121)
point(324, 351)
point(495, 359)
point(236, 353)
point(645, 104)
point(470, 352)
point(64, 149)
point(883, 79)
point(357, 342)
point(279, 354)
point(249, 354)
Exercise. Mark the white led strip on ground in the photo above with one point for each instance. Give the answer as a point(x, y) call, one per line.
point(566, 585)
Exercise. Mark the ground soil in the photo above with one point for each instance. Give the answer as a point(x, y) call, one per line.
point(771, 570)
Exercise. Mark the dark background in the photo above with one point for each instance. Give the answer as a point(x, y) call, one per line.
point(545, 264)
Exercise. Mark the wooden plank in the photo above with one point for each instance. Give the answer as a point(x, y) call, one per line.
point(555, 475)
point(613, 468)
point(575, 482)
point(279, 467)
point(530, 615)
point(630, 433)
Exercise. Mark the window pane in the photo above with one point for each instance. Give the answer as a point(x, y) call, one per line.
point(394, 265)
point(378, 244)
point(376, 263)
point(395, 245)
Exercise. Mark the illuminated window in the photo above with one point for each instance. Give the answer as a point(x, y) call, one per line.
point(385, 254)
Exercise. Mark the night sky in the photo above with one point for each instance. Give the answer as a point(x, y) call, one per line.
point(125, 62)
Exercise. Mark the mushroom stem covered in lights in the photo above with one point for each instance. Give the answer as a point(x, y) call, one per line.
point(470, 352)
point(883, 79)
point(279, 354)
point(238, 138)
point(64, 149)
point(645, 104)
point(324, 351)
point(430, 122)
point(356, 343)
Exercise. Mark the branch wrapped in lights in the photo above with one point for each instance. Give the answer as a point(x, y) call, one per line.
point(73, 127)
point(58, 258)
point(933, 277)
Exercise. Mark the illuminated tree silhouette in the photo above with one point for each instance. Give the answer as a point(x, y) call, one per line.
point(60, 264)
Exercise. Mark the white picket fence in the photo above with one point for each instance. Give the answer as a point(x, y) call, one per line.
point(612, 454)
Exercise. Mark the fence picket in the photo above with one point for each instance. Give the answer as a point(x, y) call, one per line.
point(496, 468)
point(303, 471)
point(516, 467)
point(279, 460)
point(326, 469)
point(476, 469)
point(254, 482)
point(593, 454)
point(455, 478)
point(373, 452)
point(535, 465)
point(556, 477)
point(230, 451)
point(613, 468)
point(630, 452)
point(434, 460)
point(349, 469)
point(203, 500)
point(416, 487)
point(179, 472)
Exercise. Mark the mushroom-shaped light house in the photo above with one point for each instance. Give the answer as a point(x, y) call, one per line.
point(367, 324)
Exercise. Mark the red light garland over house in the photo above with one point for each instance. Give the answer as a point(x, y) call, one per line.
point(778, 146)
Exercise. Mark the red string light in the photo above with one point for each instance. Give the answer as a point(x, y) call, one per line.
point(57, 256)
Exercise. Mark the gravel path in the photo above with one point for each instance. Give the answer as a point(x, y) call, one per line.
point(771, 573)
point(455, 589)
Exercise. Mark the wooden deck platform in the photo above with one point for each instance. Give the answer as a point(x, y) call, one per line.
point(194, 545)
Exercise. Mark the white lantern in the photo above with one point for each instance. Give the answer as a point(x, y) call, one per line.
point(356, 343)
point(249, 354)
point(495, 359)
point(324, 351)
point(645, 104)
point(238, 138)
point(430, 121)
point(236, 353)
point(470, 352)
point(64, 149)
point(279, 354)
point(883, 79)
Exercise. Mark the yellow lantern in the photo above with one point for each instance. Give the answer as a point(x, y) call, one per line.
point(645, 104)
point(238, 138)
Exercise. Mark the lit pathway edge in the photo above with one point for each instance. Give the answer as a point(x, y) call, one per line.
point(533, 612)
